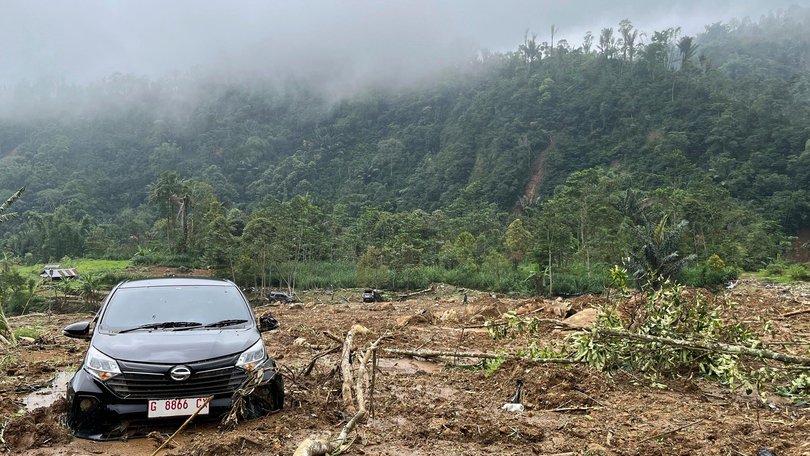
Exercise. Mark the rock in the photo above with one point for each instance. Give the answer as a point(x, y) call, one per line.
point(449, 315)
point(765, 452)
point(296, 306)
point(487, 312)
point(299, 342)
point(423, 316)
point(514, 408)
point(313, 446)
point(583, 319)
point(403, 321)
point(560, 309)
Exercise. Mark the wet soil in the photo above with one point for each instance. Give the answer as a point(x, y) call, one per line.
point(422, 407)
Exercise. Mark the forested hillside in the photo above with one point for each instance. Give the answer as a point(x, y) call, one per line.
point(556, 158)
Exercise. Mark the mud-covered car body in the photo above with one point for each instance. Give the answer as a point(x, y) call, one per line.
point(370, 295)
point(159, 349)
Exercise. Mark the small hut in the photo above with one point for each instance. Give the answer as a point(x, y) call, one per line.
point(53, 272)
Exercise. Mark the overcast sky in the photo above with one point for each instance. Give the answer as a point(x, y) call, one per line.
point(83, 40)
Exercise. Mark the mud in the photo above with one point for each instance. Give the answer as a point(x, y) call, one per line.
point(422, 407)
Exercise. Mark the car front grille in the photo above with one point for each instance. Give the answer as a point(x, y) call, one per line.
point(152, 381)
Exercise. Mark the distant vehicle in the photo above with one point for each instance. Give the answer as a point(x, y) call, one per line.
point(370, 295)
point(160, 348)
point(280, 296)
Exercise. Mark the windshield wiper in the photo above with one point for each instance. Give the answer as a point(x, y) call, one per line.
point(222, 323)
point(165, 324)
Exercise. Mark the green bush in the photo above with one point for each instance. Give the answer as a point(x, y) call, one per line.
point(710, 274)
point(776, 268)
point(798, 271)
point(173, 260)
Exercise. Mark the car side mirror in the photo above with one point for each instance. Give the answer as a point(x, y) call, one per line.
point(267, 323)
point(80, 330)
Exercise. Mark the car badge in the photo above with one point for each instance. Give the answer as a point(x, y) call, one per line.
point(180, 373)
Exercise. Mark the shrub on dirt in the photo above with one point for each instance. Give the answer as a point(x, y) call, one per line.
point(798, 272)
point(712, 273)
point(671, 313)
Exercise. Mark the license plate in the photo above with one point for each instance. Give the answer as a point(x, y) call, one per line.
point(177, 407)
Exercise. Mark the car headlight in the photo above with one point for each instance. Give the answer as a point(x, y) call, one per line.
point(100, 365)
point(251, 357)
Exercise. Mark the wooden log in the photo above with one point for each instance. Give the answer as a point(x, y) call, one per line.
point(481, 355)
point(795, 312)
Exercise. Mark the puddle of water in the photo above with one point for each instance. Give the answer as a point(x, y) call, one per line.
point(408, 366)
point(47, 396)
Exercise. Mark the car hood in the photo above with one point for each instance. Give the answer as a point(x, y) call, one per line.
point(175, 347)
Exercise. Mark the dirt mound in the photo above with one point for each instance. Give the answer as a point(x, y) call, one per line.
point(37, 428)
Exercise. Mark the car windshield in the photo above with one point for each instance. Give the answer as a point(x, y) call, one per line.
point(166, 307)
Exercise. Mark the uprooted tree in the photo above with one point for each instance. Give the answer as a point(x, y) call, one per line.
point(357, 389)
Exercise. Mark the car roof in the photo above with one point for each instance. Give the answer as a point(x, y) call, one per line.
point(176, 282)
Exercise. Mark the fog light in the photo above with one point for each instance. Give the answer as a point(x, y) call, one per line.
point(87, 403)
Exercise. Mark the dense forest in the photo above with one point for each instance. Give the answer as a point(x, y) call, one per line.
point(533, 170)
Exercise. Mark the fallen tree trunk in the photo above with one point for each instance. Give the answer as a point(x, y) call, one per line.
point(709, 346)
point(415, 293)
point(480, 355)
point(346, 368)
point(321, 447)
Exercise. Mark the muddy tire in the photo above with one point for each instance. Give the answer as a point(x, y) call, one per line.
point(276, 392)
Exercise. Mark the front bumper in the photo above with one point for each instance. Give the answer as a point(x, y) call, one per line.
point(95, 412)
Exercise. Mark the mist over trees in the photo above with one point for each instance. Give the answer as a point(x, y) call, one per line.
point(530, 170)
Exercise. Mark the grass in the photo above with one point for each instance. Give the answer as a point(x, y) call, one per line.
point(33, 333)
point(781, 272)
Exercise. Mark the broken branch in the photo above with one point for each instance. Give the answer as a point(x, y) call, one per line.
point(308, 369)
point(166, 442)
point(671, 431)
point(709, 346)
point(795, 312)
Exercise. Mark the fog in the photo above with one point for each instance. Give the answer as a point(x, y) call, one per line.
point(340, 43)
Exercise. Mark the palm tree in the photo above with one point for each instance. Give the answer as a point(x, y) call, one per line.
point(659, 260)
point(3, 207)
point(530, 49)
point(688, 49)
point(587, 42)
point(607, 43)
point(629, 37)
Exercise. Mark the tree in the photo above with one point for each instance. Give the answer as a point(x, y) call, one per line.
point(4, 325)
point(517, 241)
point(658, 260)
point(5, 216)
point(530, 49)
point(167, 193)
point(219, 244)
point(607, 43)
point(687, 49)
point(628, 41)
point(587, 42)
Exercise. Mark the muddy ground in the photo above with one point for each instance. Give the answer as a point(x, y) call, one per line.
point(421, 407)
